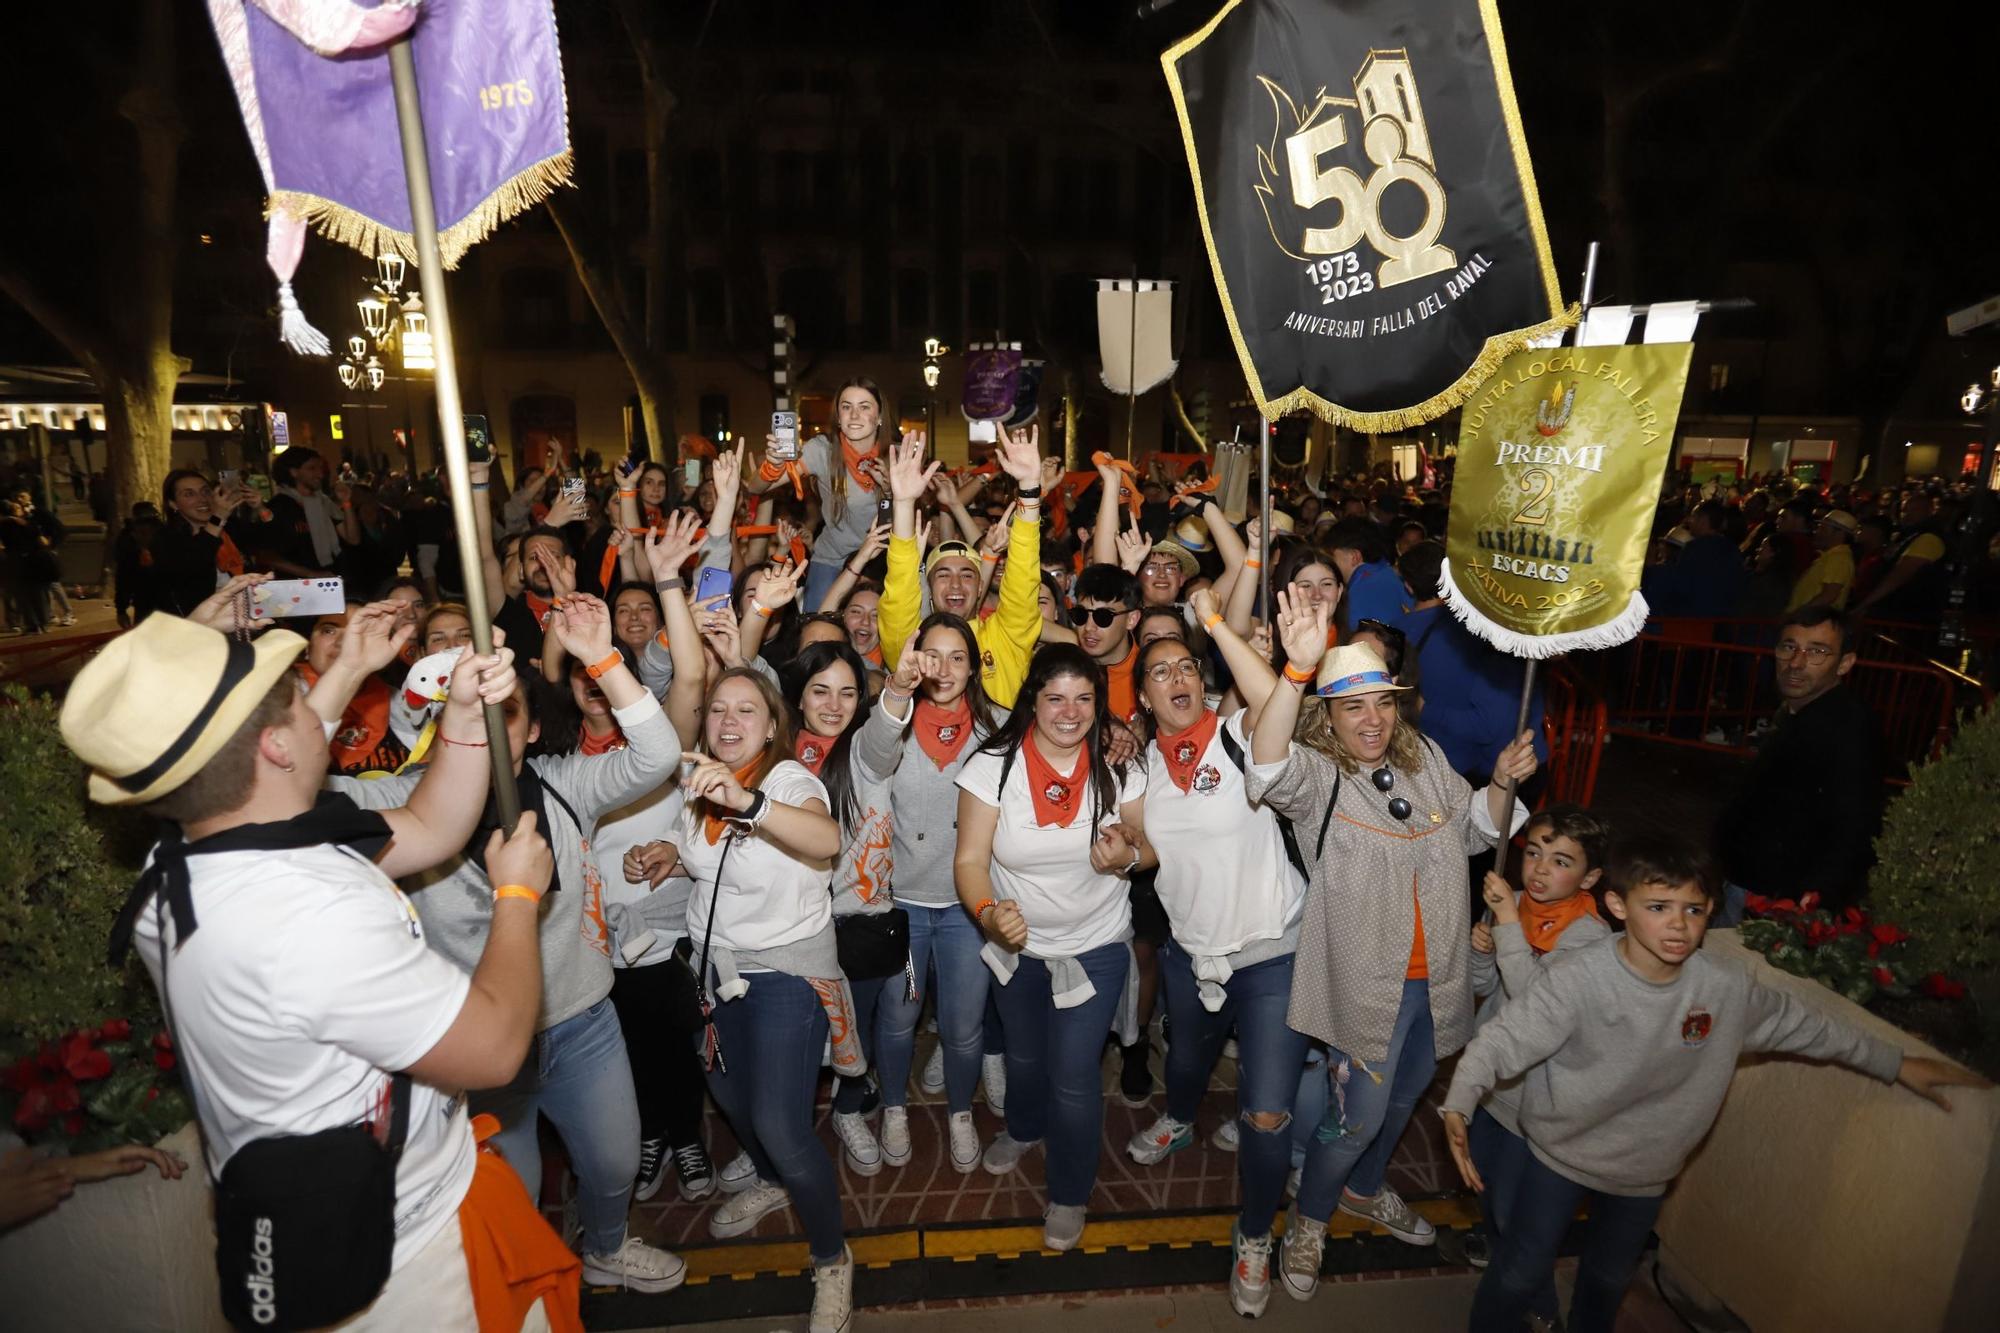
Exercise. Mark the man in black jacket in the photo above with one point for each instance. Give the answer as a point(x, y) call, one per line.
point(1805, 817)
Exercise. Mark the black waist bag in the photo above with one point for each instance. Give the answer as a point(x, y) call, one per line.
point(872, 945)
point(305, 1224)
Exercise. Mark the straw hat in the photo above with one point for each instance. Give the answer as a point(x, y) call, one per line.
point(1843, 520)
point(160, 700)
point(1353, 668)
point(1191, 534)
point(1282, 523)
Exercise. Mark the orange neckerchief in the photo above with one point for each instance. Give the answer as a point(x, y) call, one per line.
point(1544, 923)
point(362, 725)
point(854, 458)
point(607, 567)
point(1128, 490)
point(1123, 700)
point(227, 558)
point(811, 749)
point(943, 732)
point(613, 739)
point(873, 657)
point(711, 826)
point(512, 1257)
point(1057, 796)
point(1182, 750)
point(536, 606)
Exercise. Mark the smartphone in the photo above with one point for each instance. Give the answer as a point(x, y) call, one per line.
point(785, 432)
point(691, 475)
point(262, 485)
point(712, 583)
point(478, 439)
point(298, 597)
point(572, 489)
point(226, 478)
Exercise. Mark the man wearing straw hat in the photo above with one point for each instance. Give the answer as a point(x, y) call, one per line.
point(308, 1014)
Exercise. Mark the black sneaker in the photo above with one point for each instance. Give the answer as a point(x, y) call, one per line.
point(652, 1158)
point(695, 1171)
point(1135, 1081)
point(1478, 1252)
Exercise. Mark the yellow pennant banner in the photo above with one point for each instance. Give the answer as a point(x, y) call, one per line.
point(1560, 458)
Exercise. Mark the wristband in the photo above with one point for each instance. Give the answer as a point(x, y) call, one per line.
point(1127, 871)
point(347, 505)
point(470, 745)
point(597, 670)
point(1253, 564)
point(1210, 623)
point(516, 891)
point(623, 491)
point(979, 912)
point(671, 584)
point(1296, 676)
point(760, 608)
point(989, 557)
point(1027, 493)
point(482, 485)
point(760, 806)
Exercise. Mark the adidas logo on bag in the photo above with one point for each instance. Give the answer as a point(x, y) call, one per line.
point(261, 1279)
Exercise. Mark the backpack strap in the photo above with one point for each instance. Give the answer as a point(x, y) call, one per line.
point(549, 790)
point(1291, 840)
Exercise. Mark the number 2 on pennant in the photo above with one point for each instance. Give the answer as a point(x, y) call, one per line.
point(1535, 513)
point(499, 96)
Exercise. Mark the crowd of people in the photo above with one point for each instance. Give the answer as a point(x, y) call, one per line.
point(821, 746)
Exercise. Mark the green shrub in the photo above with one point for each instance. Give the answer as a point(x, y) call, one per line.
point(1937, 861)
point(65, 868)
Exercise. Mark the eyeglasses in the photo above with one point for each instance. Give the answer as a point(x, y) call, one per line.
point(1384, 779)
point(1101, 616)
point(1160, 567)
point(1818, 652)
point(1185, 668)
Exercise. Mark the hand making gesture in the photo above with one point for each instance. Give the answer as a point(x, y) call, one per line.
point(1133, 548)
point(1019, 454)
point(779, 587)
point(911, 668)
point(909, 477)
point(669, 547)
point(1301, 628)
point(711, 780)
point(582, 624)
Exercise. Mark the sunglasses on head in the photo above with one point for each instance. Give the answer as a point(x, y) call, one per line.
point(1101, 616)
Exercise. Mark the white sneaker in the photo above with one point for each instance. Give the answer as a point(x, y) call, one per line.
point(1250, 1279)
point(1227, 1137)
point(1301, 1255)
point(1062, 1226)
point(1229, 1051)
point(964, 1143)
point(1388, 1211)
point(932, 1079)
point(896, 1135)
point(739, 1175)
point(636, 1266)
point(1159, 1140)
point(863, 1153)
point(833, 1295)
point(993, 1073)
point(1004, 1154)
point(740, 1213)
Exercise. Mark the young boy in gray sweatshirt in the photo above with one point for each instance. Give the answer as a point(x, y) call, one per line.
point(1629, 1045)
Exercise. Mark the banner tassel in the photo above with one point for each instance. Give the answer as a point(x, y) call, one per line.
point(1621, 628)
point(293, 329)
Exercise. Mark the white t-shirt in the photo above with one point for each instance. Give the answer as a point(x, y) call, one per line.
point(768, 897)
point(306, 982)
point(654, 817)
point(1223, 879)
point(1070, 908)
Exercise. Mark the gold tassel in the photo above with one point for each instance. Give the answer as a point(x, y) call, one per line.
point(346, 226)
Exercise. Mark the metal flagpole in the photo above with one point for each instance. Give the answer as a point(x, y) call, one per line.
point(451, 422)
point(1132, 372)
point(1532, 664)
point(1264, 525)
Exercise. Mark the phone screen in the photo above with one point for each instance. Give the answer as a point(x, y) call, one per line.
point(713, 583)
point(785, 436)
point(691, 475)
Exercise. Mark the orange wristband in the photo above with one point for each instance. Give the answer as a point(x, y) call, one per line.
point(979, 912)
point(598, 669)
point(1297, 677)
point(1253, 564)
point(760, 608)
point(516, 891)
point(1210, 623)
point(989, 557)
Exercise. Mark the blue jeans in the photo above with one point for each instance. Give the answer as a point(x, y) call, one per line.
point(1373, 1106)
point(879, 1004)
point(1269, 1056)
point(820, 575)
point(1525, 1262)
point(1502, 1157)
point(772, 1039)
point(578, 1076)
point(946, 937)
point(1055, 1087)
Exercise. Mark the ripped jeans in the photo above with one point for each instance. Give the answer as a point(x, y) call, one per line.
point(1372, 1103)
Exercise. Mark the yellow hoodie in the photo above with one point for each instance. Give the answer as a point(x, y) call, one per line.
point(1006, 639)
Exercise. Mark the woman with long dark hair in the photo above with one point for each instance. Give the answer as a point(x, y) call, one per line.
point(853, 750)
point(1383, 972)
point(947, 720)
point(847, 472)
point(1044, 880)
point(195, 552)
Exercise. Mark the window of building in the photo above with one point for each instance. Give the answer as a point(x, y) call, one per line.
point(913, 303)
point(534, 307)
point(812, 297)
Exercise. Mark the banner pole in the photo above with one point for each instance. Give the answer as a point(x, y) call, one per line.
point(1531, 666)
point(1264, 524)
point(451, 421)
point(1132, 371)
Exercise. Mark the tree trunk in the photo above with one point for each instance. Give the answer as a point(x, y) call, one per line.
point(139, 428)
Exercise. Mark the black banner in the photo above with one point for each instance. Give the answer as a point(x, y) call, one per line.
point(1367, 200)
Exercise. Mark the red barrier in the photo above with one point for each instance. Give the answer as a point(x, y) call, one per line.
point(28, 657)
point(1574, 722)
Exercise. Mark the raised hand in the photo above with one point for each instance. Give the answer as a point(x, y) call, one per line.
point(1019, 453)
point(560, 569)
point(375, 636)
point(477, 681)
point(909, 477)
point(1052, 473)
point(583, 627)
point(872, 545)
point(721, 630)
point(994, 539)
point(727, 474)
point(1133, 548)
point(219, 610)
point(566, 509)
point(910, 668)
point(1301, 628)
point(779, 587)
point(669, 547)
point(1202, 602)
point(1517, 762)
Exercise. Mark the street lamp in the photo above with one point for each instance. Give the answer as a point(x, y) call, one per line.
point(389, 271)
point(933, 372)
point(417, 351)
point(374, 316)
point(375, 374)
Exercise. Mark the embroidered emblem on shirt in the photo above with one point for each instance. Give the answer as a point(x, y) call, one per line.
point(1056, 793)
point(1206, 778)
point(947, 734)
point(1696, 1026)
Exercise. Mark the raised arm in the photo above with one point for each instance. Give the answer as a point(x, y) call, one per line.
point(667, 550)
point(444, 808)
point(1016, 626)
point(1104, 532)
point(1253, 675)
point(373, 637)
point(482, 525)
point(902, 606)
point(872, 545)
point(1302, 630)
point(779, 590)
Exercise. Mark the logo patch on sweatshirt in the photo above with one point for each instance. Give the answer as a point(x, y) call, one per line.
point(1695, 1026)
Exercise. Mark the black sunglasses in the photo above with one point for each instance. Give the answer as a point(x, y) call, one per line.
point(1384, 779)
point(1101, 616)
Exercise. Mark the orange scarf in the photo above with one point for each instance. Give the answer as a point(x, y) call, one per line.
point(539, 608)
point(854, 458)
point(1128, 489)
point(1544, 923)
point(1182, 750)
point(873, 657)
point(711, 824)
point(942, 732)
point(1124, 701)
point(227, 558)
point(613, 739)
point(363, 724)
point(812, 749)
point(512, 1258)
point(1057, 796)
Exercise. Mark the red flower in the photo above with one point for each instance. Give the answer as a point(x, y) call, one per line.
point(1785, 905)
point(33, 1113)
point(1819, 932)
point(163, 1059)
point(63, 1096)
point(23, 1074)
point(1758, 903)
point(81, 1059)
point(1884, 977)
point(118, 1029)
point(1809, 902)
point(163, 1040)
point(1874, 949)
point(152, 1094)
point(1940, 987)
point(1886, 934)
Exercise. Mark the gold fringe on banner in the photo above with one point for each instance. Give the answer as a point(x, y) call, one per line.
point(345, 226)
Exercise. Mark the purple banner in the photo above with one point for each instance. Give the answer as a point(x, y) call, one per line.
point(990, 377)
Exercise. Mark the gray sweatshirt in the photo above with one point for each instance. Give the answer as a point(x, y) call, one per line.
point(924, 798)
point(1625, 1076)
point(455, 899)
point(862, 876)
point(1509, 972)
